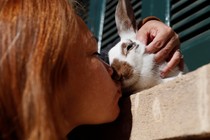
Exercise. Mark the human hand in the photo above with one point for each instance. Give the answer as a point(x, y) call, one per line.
point(161, 40)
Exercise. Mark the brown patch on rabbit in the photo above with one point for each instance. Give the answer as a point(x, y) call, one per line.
point(122, 70)
point(124, 46)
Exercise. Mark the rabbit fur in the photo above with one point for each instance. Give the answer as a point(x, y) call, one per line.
point(135, 69)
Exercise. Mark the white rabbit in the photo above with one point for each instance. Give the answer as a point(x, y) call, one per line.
point(134, 68)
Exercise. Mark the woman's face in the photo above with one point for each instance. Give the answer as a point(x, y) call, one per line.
point(91, 94)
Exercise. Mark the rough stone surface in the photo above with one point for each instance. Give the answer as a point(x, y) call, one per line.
point(179, 109)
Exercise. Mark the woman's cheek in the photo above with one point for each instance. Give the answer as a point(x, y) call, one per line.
point(99, 70)
point(96, 63)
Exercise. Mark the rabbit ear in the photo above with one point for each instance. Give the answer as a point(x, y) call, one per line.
point(125, 19)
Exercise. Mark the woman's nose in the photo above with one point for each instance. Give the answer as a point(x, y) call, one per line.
point(109, 68)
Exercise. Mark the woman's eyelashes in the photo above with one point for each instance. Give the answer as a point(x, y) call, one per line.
point(96, 54)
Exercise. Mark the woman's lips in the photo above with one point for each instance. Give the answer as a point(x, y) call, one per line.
point(119, 91)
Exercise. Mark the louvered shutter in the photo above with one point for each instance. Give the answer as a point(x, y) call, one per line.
point(191, 20)
point(82, 8)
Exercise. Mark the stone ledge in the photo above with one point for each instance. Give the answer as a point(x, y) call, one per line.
point(179, 108)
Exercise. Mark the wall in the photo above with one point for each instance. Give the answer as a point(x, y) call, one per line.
point(179, 109)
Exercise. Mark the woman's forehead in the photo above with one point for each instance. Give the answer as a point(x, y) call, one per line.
point(84, 33)
point(83, 43)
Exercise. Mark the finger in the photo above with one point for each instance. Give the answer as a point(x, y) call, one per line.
point(159, 41)
point(170, 48)
point(175, 60)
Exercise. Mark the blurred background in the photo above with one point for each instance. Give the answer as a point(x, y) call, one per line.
point(189, 18)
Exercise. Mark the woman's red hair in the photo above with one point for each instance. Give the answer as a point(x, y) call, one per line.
point(35, 36)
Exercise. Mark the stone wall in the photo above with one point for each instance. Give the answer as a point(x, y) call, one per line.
point(179, 109)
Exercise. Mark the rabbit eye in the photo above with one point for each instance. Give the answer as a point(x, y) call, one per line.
point(129, 47)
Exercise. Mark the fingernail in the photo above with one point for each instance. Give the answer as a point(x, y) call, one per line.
point(162, 74)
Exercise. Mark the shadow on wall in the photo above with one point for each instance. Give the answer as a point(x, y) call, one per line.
point(120, 129)
point(193, 137)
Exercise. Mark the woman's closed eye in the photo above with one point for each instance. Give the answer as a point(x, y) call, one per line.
point(96, 54)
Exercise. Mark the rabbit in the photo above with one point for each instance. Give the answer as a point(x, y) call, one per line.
point(133, 67)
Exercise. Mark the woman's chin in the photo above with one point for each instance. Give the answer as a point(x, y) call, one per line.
point(114, 116)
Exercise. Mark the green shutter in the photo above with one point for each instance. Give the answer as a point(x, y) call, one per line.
point(191, 20)
point(91, 11)
point(158, 8)
point(109, 27)
point(82, 8)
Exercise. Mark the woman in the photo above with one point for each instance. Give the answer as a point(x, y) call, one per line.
point(51, 77)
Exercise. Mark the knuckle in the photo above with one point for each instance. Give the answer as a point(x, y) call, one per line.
point(174, 42)
point(169, 30)
point(165, 51)
point(176, 38)
point(158, 44)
